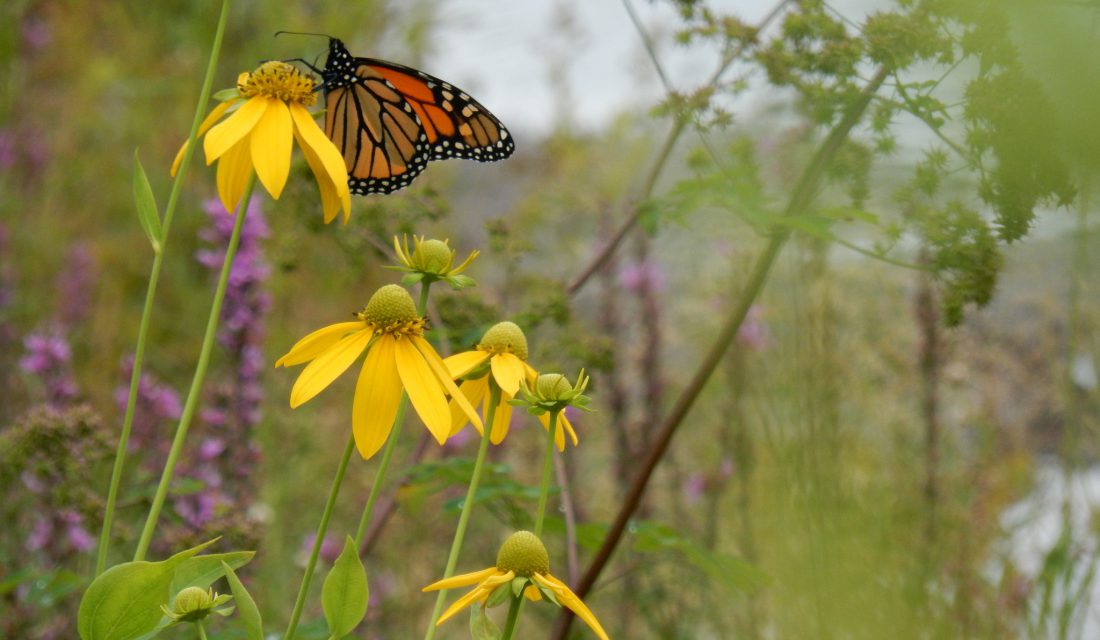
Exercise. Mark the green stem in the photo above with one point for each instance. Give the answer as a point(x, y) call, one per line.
point(547, 466)
point(513, 618)
point(380, 475)
point(150, 294)
point(202, 630)
point(196, 382)
point(467, 504)
point(322, 528)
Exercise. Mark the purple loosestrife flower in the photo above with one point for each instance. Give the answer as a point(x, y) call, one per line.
point(47, 357)
point(157, 406)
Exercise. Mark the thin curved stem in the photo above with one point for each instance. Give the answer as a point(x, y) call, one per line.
point(547, 468)
point(322, 529)
point(513, 618)
point(202, 630)
point(150, 294)
point(467, 505)
point(803, 195)
point(383, 466)
point(200, 375)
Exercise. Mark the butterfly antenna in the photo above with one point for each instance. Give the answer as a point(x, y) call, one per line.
point(302, 33)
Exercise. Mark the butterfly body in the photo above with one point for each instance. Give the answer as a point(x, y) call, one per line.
point(389, 121)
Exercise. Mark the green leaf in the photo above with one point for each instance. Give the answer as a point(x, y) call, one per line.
point(124, 602)
point(202, 571)
point(481, 626)
point(344, 594)
point(499, 596)
point(146, 206)
point(227, 94)
point(250, 614)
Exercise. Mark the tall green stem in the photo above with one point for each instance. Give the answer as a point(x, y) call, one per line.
point(513, 618)
point(202, 630)
point(384, 465)
point(467, 505)
point(150, 294)
point(547, 466)
point(322, 529)
point(200, 374)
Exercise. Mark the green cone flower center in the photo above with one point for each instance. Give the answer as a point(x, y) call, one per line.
point(435, 256)
point(524, 554)
point(505, 337)
point(553, 386)
point(391, 310)
point(278, 80)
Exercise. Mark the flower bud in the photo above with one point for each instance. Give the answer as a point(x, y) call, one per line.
point(524, 554)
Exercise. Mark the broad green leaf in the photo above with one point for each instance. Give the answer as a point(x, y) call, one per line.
point(146, 206)
point(481, 626)
point(124, 602)
point(499, 596)
point(344, 594)
point(246, 606)
point(202, 571)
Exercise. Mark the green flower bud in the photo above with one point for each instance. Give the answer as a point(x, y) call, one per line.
point(389, 305)
point(505, 337)
point(524, 554)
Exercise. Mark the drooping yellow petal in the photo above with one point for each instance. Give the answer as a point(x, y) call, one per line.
point(424, 390)
point(272, 141)
point(508, 371)
point(377, 396)
point(461, 580)
point(317, 343)
point(462, 363)
point(474, 391)
point(531, 374)
point(562, 427)
point(477, 594)
point(325, 151)
point(234, 170)
point(532, 593)
point(566, 596)
point(435, 363)
point(502, 419)
point(231, 130)
point(330, 202)
point(215, 114)
point(328, 366)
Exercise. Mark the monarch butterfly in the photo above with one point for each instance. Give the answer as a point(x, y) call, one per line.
point(389, 120)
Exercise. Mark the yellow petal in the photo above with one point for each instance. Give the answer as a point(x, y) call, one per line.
point(474, 391)
point(531, 374)
point(502, 419)
point(568, 428)
point(532, 593)
point(325, 151)
point(479, 593)
point(234, 170)
point(272, 140)
point(424, 390)
point(462, 363)
point(377, 396)
point(328, 366)
point(508, 371)
point(462, 580)
point(330, 202)
point(566, 596)
point(234, 128)
point(317, 343)
point(211, 118)
point(494, 581)
point(444, 377)
point(562, 427)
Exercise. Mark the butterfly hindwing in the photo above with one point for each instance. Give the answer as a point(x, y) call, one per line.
point(389, 120)
point(457, 126)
